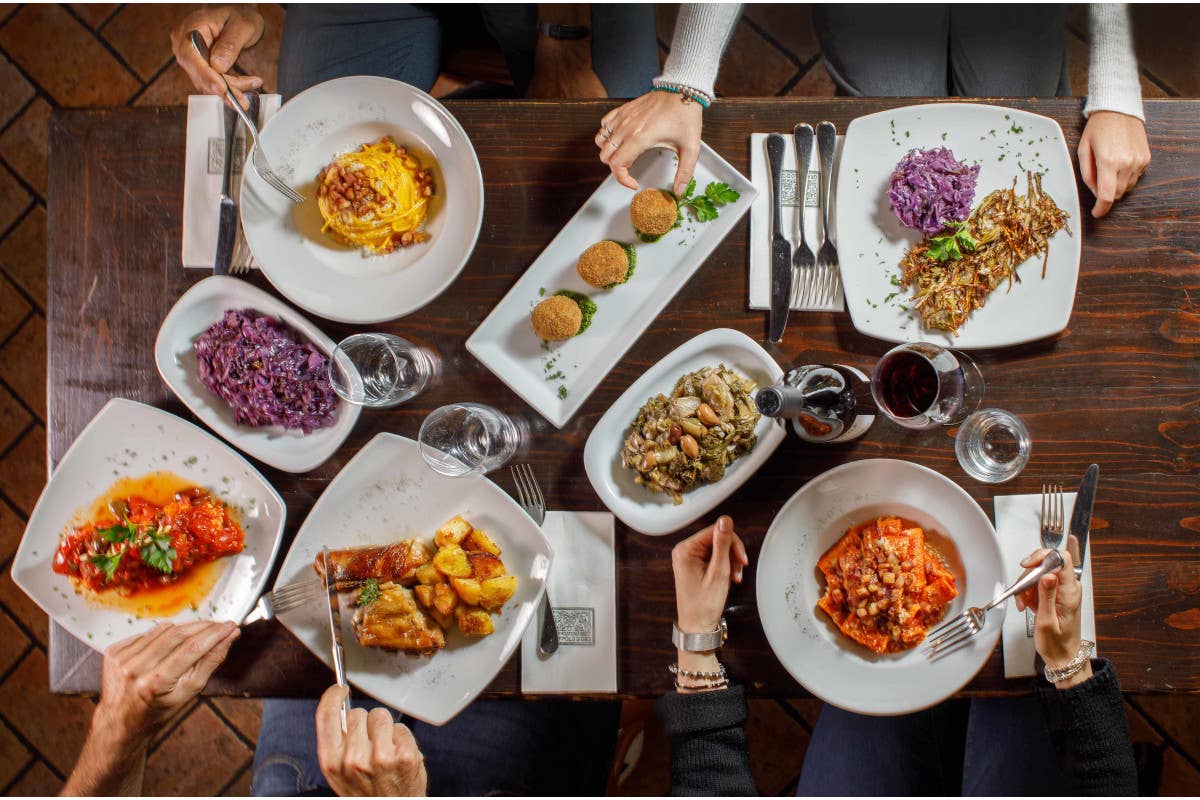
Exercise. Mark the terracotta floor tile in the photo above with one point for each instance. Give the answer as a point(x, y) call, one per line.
point(55, 724)
point(1179, 778)
point(15, 91)
point(1139, 728)
point(25, 143)
point(1179, 716)
point(24, 609)
point(39, 781)
point(65, 58)
point(13, 420)
point(12, 645)
point(140, 33)
point(777, 744)
point(94, 14)
point(23, 255)
point(13, 199)
point(244, 712)
point(240, 787)
point(23, 470)
point(13, 308)
point(13, 755)
point(263, 59)
point(11, 529)
point(169, 89)
point(1165, 42)
point(198, 758)
point(23, 363)
point(790, 24)
point(815, 83)
point(753, 67)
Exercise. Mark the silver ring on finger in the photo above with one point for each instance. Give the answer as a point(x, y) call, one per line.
point(608, 131)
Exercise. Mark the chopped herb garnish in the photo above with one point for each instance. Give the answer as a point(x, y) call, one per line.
point(562, 392)
point(118, 533)
point(950, 247)
point(369, 592)
point(1016, 128)
point(107, 564)
point(158, 553)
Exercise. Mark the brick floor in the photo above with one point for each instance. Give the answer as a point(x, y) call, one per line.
point(104, 54)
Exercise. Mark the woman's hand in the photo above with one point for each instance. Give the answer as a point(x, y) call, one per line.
point(652, 120)
point(228, 30)
point(372, 757)
point(1113, 154)
point(704, 564)
point(1056, 600)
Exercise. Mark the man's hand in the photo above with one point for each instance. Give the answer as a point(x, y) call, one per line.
point(652, 120)
point(227, 30)
point(1113, 154)
point(146, 681)
point(373, 757)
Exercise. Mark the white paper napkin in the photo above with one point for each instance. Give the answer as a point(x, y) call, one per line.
point(1018, 520)
point(583, 591)
point(760, 215)
point(204, 163)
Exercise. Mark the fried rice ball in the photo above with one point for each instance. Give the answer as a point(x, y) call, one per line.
point(556, 318)
point(653, 212)
point(606, 263)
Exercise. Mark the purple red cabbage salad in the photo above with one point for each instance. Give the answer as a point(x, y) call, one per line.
point(931, 190)
point(265, 372)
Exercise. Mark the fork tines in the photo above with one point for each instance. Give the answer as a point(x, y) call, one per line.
point(294, 594)
point(528, 490)
point(951, 635)
point(1052, 514)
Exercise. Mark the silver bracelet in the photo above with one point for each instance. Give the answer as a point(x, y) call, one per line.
point(675, 670)
point(1054, 675)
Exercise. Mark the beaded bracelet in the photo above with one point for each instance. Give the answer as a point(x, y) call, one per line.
point(721, 684)
point(686, 93)
point(675, 670)
point(1074, 665)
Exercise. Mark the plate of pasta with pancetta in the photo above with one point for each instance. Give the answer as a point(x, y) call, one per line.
point(393, 200)
point(855, 570)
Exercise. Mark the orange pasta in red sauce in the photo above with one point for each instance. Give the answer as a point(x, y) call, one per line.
point(884, 585)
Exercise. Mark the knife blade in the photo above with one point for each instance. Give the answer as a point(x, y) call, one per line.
point(227, 214)
point(781, 249)
point(1081, 514)
point(335, 633)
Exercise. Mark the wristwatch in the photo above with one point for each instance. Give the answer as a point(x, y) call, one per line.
point(699, 642)
point(556, 31)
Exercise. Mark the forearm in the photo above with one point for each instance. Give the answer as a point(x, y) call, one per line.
point(702, 32)
point(707, 731)
point(109, 765)
point(1112, 66)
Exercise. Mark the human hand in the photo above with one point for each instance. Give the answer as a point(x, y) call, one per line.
point(704, 565)
point(372, 757)
point(1113, 154)
point(227, 30)
point(1056, 600)
point(652, 120)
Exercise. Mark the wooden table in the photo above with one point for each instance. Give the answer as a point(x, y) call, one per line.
point(1120, 387)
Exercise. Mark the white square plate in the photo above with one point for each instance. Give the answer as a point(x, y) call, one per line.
point(506, 344)
point(387, 493)
point(128, 439)
point(655, 513)
point(198, 308)
point(1004, 142)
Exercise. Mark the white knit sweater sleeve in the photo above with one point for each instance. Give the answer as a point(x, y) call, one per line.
point(1112, 67)
point(702, 32)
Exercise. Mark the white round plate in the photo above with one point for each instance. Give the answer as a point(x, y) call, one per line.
point(831, 666)
point(328, 278)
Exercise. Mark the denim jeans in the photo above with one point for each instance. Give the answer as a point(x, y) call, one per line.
point(494, 747)
point(984, 746)
point(964, 49)
point(404, 41)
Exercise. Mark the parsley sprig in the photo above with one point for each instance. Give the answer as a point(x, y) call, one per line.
point(704, 206)
point(107, 564)
point(369, 592)
point(157, 552)
point(951, 246)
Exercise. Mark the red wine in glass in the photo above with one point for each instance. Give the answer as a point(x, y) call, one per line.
point(908, 384)
point(920, 385)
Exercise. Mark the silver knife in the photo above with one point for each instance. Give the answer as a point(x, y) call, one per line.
point(781, 249)
point(335, 633)
point(1081, 515)
point(227, 217)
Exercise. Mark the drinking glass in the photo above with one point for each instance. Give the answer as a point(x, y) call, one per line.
point(467, 439)
point(378, 370)
point(921, 385)
point(993, 445)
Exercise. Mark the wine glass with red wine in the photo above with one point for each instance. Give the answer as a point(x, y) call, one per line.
point(921, 385)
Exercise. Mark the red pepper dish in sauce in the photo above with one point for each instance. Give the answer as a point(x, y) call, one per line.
point(154, 546)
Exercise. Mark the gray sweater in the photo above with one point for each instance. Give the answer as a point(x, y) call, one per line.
point(1087, 726)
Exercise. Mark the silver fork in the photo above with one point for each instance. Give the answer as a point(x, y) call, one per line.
point(954, 634)
point(531, 499)
point(827, 258)
point(1052, 518)
point(285, 598)
point(257, 157)
point(803, 261)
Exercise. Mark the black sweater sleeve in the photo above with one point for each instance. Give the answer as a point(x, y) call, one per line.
point(708, 742)
point(1090, 733)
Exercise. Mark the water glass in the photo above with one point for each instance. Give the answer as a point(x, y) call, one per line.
point(921, 385)
point(993, 445)
point(378, 370)
point(467, 439)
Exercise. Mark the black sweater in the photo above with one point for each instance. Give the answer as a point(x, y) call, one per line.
point(1087, 728)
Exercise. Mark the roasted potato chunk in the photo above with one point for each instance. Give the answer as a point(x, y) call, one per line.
point(428, 574)
point(485, 565)
point(495, 592)
point(445, 621)
point(474, 621)
point(424, 595)
point(453, 532)
point(444, 598)
point(468, 589)
point(478, 540)
point(452, 562)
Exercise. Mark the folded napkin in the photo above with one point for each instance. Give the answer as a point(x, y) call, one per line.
point(1018, 522)
point(760, 215)
point(204, 163)
point(582, 587)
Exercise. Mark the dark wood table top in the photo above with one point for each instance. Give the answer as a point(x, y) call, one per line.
point(1121, 386)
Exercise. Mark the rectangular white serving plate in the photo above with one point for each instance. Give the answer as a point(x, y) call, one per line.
point(387, 493)
point(506, 344)
point(655, 513)
point(872, 241)
point(128, 439)
point(200, 307)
